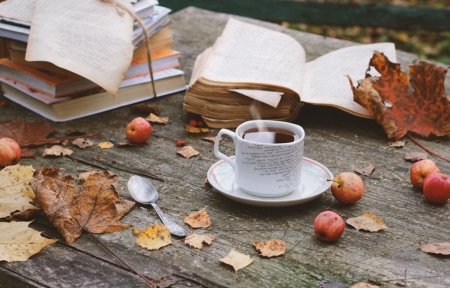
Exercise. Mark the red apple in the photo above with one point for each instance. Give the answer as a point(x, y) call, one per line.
point(138, 130)
point(9, 152)
point(329, 226)
point(420, 170)
point(436, 188)
point(347, 188)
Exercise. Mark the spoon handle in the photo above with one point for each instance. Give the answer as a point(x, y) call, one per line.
point(173, 227)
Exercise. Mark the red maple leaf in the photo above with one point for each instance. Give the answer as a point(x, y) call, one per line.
point(396, 108)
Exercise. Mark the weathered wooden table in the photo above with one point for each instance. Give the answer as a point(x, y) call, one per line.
point(338, 140)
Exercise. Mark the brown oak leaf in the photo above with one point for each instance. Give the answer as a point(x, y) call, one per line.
point(199, 219)
point(424, 111)
point(270, 248)
point(94, 206)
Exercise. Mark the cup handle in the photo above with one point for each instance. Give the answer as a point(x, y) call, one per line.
point(219, 154)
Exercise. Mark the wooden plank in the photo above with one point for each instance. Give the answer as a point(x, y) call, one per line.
point(311, 12)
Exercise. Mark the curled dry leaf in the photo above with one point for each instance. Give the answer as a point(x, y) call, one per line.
point(15, 190)
point(57, 150)
point(94, 206)
point(197, 240)
point(391, 103)
point(436, 248)
point(397, 144)
point(153, 237)
point(212, 139)
point(199, 219)
point(367, 170)
point(415, 156)
point(82, 143)
point(368, 221)
point(237, 260)
point(105, 145)
point(18, 242)
point(192, 129)
point(157, 119)
point(271, 248)
point(188, 152)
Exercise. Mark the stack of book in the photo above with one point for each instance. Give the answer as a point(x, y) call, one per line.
point(61, 95)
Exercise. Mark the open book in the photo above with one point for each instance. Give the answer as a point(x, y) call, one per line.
point(253, 72)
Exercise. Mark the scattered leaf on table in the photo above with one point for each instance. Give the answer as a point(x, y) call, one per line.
point(199, 219)
point(398, 110)
point(146, 108)
point(57, 150)
point(197, 240)
point(367, 170)
point(153, 237)
point(156, 119)
point(18, 242)
point(82, 143)
point(15, 190)
point(368, 221)
point(436, 248)
point(415, 156)
point(188, 152)
point(192, 129)
point(397, 144)
point(105, 145)
point(237, 260)
point(25, 132)
point(212, 139)
point(71, 208)
point(270, 248)
point(364, 285)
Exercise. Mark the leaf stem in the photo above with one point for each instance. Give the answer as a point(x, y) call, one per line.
point(426, 149)
point(125, 263)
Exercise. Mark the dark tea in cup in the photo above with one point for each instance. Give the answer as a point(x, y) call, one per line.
point(270, 135)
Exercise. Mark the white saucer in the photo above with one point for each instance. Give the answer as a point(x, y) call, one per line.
point(313, 184)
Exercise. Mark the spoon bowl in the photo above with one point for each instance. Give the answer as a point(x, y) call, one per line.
point(145, 193)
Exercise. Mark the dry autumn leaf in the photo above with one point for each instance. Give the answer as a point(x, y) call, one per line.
point(105, 145)
point(367, 170)
point(197, 240)
point(18, 242)
point(157, 119)
point(94, 206)
point(199, 219)
point(192, 129)
point(415, 156)
point(237, 260)
point(25, 132)
point(82, 143)
point(15, 190)
point(212, 139)
point(397, 144)
point(368, 221)
point(436, 248)
point(364, 285)
point(57, 150)
point(389, 100)
point(270, 248)
point(153, 237)
point(188, 152)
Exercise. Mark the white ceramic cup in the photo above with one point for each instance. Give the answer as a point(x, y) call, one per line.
point(265, 169)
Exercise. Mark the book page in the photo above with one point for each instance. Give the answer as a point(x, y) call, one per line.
point(21, 10)
point(86, 37)
point(325, 81)
point(252, 54)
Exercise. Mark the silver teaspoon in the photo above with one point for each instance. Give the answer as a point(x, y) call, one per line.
point(144, 192)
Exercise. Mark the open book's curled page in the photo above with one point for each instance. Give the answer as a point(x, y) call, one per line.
point(87, 37)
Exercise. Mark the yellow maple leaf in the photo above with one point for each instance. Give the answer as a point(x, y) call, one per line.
point(197, 240)
point(199, 219)
point(18, 242)
point(15, 191)
point(153, 237)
